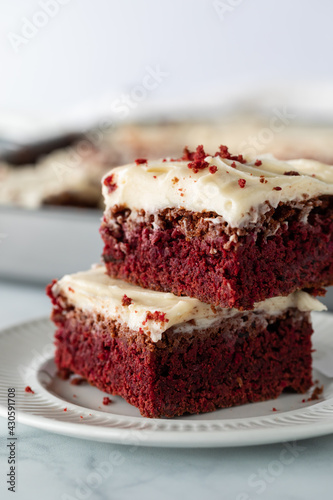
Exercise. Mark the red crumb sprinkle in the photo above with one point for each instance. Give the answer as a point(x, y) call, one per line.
point(213, 169)
point(274, 409)
point(126, 301)
point(81, 416)
point(106, 401)
point(109, 183)
point(78, 381)
point(187, 155)
point(175, 180)
point(303, 400)
point(155, 316)
point(154, 176)
point(258, 163)
point(65, 409)
point(233, 165)
point(198, 162)
point(64, 373)
point(164, 160)
point(277, 188)
point(317, 391)
point(74, 396)
point(140, 161)
point(224, 153)
point(70, 289)
point(241, 183)
point(28, 389)
point(291, 172)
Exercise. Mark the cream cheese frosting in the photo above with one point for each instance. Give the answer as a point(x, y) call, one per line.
point(157, 185)
point(96, 292)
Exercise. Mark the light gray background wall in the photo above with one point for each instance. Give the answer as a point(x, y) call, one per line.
point(65, 57)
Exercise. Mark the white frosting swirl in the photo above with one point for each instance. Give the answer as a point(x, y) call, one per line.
point(171, 184)
point(96, 292)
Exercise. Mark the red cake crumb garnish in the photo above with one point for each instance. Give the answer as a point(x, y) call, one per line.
point(317, 391)
point(140, 161)
point(64, 373)
point(175, 180)
point(233, 165)
point(154, 176)
point(274, 409)
point(277, 188)
point(78, 381)
point(164, 160)
point(198, 162)
point(241, 183)
point(303, 400)
point(258, 163)
point(155, 316)
point(291, 172)
point(224, 153)
point(81, 416)
point(70, 289)
point(108, 182)
point(107, 401)
point(65, 409)
point(28, 389)
point(126, 301)
point(197, 158)
point(187, 155)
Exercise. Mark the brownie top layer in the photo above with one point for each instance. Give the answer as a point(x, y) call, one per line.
point(154, 312)
point(239, 189)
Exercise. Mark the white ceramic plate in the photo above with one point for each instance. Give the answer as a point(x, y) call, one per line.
point(26, 358)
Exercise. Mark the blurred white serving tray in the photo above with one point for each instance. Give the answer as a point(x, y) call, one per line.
point(39, 245)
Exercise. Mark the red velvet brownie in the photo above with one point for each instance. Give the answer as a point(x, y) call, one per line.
point(226, 230)
point(170, 355)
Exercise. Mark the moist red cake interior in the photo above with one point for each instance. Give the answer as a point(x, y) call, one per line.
point(184, 254)
point(237, 361)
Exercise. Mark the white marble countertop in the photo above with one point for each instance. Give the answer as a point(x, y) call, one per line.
point(53, 467)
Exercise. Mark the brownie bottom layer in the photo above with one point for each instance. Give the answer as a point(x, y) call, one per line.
point(218, 367)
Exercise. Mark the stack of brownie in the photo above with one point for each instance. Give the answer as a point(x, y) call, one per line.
point(211, 267)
